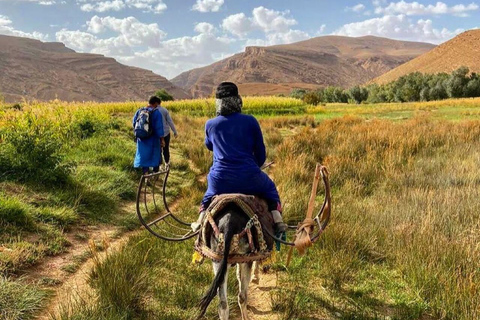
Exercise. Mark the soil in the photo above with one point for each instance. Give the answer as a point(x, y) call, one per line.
point(259, 301)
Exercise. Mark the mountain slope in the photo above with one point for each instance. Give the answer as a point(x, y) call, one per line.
point(463, 50)
point(322, 61)
point(45, 71)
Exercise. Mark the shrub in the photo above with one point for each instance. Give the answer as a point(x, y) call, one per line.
point(59, 216)
point(164, 95)
point(312, 97)
point(14, 212)
point(298, 93)
point(32, 151)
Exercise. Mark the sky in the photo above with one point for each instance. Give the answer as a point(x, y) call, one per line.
point(172, 36)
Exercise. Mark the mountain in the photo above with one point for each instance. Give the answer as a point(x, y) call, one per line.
point(45, 71)
point(463, 50)
point(321, 61)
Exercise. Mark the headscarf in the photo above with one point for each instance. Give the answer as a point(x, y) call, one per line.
point(228, 100)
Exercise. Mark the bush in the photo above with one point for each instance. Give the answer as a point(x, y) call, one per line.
point(58, 216)
point(312, 97)
point(13, 212)
point(164, 95)
point(32, 151)
point(298, 93)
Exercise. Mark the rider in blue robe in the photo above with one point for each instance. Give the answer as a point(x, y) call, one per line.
point(238, 153)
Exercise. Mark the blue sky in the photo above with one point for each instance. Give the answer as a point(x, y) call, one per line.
point(172, 36)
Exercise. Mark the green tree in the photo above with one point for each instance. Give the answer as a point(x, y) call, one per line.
point(334, 94)
point(312, 97)
point(457, 83)
point(358, 94)
point(298, 93)
point(164, 95)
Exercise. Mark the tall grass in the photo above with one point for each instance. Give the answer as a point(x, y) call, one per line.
point(406, 197)
point(18, 301)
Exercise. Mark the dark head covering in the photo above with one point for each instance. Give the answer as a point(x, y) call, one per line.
point(226, 89)
point(228, 101)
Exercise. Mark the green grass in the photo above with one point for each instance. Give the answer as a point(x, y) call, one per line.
point(460, 109)
point(19, 300)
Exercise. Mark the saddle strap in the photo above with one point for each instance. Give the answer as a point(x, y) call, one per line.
point(214, 225)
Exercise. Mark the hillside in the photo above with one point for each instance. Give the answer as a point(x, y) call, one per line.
point(321, 61)
point(45, 71)
point(463, 50)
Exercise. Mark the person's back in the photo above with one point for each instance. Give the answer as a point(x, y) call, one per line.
point(149, 148)
point(236, 142)
point(167, 126)
point(238, 153)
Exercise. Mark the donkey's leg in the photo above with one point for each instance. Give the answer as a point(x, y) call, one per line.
point(244, 272)
point(223, 310)
point(256, 272)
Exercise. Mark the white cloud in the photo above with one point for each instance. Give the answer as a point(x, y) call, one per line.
point(205, 27)
point(398, 27)
point(416, 8)
point(132, 31)
point(275, 24)
point(262, 19)
point(40, 2)
point(102, 6)
point(7, 29)
point(154, 6)
point(143, 45)
point(208, 5)
point(272, 21)
point(321, 30)
point(357, 8)
point(238, 25)
point(279, 38)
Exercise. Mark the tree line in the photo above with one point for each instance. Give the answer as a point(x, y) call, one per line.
point(409, 88)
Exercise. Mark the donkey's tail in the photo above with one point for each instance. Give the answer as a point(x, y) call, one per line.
point(219, 277)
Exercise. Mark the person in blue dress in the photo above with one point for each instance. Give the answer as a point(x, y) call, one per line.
point(149, 150)
point(238, 154)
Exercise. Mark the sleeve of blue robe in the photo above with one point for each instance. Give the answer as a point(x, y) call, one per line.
point(208, 143)
point(259, 150)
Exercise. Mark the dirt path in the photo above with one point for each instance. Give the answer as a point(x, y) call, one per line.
point(67, 274)
point(76, 286)
point(259, 300)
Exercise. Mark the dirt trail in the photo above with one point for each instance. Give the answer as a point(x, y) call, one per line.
point(68, 284)
point(259, 300)
point(76, 286)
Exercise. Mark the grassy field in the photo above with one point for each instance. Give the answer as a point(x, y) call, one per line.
point(403, 242)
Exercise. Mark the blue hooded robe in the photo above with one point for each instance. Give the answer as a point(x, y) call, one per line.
point(149, 150)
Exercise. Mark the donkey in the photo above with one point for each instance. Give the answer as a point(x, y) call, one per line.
point(230, 221)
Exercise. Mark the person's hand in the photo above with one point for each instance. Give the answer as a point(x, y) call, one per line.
point(162, 143)
point(175, 134)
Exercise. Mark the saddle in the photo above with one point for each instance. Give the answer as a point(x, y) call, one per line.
point(259, 246)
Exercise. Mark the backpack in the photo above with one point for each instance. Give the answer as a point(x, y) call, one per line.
point(143, 127)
